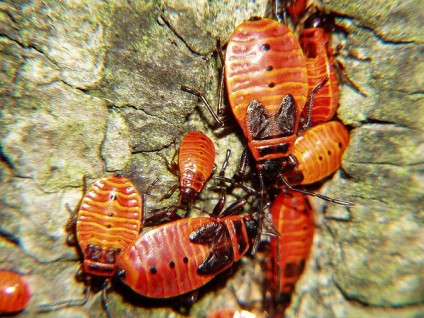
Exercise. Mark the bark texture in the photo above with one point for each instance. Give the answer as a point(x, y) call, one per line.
point(89, 88)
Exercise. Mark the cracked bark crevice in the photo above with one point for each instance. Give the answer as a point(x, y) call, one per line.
point(10, 237)
point(4, 8)
point(179, 36)
point(373, 121)
point(360, 302)
point(387, 164)
point(30, 46)
point(38, 50)
point(112, 107)
point(6, 160)
point(359, 24)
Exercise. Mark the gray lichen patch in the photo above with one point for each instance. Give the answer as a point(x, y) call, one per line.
point(389, 74)
point(386, 144)
point(10, 64)
point(387, 166)
point(393, 20)
point(145, 66)
point(148, 133)
point(69, 34)
point(373, 261)
point(200, 23)
point(116, 148)
point(36, 219)
point(147, 63)
point(49, 135)
point(93, 87)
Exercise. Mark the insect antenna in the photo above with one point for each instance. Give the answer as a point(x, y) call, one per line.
point(314, 194)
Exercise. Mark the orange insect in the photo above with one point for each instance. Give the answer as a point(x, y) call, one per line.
point(195, 162)
point(108, 220)
point(314, 41)
point(179, 257)
point(318, 152)
point(267, 86)
point(14, 292)
point(293, 217)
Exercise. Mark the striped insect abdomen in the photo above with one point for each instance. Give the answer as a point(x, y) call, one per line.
point(163, 262)
point(196, 162)
point(314, 42)
point(292, 216)
point(318, 152)
point(109, 219)
point(264, 63)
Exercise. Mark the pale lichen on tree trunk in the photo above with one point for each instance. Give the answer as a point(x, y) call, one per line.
point(93, 87)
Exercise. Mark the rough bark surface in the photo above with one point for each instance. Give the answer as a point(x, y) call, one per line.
point(89, 88)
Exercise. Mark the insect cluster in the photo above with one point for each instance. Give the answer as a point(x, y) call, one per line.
point(283, 92)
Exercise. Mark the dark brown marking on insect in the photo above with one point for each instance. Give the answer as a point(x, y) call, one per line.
point(172, 264)
point(238, 231)
point(206, 234)
point(301, 266)
point(270, 149)
point(220, 256)
point(216, 261)
point(269, 68)
point(100, 268)
point(294, 269)
point(266, 47)
point(242, 244)
point(296, 177)
point(262, 125)
point(290, 270)
point(238, 228)
point(111, 254)
point(311, 51)
point(185, 259)
point(153, 270)
point(93, 252)
point(255, 19)
point(99, 254)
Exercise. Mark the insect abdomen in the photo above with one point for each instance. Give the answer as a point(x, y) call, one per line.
point(319, 152)
point(108, 220)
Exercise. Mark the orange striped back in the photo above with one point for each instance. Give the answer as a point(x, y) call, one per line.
point(293, 217)
point(314, 43)
point(163, 262)
point(319, 152)
point(264, 62)
point(109, 219)
point(196, 160)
